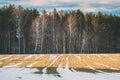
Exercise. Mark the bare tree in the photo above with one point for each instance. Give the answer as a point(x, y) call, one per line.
point(71, 31)
point(44, 25)
point(35, 33)
point(39, 26)
point(19, 19)
point(53, 30)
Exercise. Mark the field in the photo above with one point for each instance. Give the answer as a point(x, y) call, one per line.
point(76, 61)
point(60, 67)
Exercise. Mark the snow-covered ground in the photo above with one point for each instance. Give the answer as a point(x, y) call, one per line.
point(65, 74)
point(63, 67)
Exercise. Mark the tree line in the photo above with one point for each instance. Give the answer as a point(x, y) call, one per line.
point(28, 31)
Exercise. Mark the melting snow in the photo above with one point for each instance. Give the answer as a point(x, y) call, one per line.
point(15, 65)
point(101, 64)
point(30, 56)
point(67, 63)
point(5, 57)
point(66, 74)
point(54, 60)
point(30, 65)
point(44, 70)
point(52, 57)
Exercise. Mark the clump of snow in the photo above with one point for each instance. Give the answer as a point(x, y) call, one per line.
point(15, 65)
point(30, 65)
point(28, 57)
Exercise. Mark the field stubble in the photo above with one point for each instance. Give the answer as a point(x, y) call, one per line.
point(76, 61)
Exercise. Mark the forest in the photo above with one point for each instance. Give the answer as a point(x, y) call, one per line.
point(26, 31)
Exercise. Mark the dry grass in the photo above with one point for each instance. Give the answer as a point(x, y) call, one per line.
point(86, 61)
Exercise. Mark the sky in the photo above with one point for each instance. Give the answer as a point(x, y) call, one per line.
point(105, 6)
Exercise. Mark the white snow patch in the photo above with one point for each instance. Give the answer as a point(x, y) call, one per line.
point(66, 74)
point(90, 67)
point(30, 56)
point(38, 57)
point(73, 70)
point(114, 68)
point(30, 65)
point(44, 70)
point(6, 57)
point(15, 65)
point(52, 57)
point(67, 63)
point(55, 59)
point(101, 64)
point(14, 58)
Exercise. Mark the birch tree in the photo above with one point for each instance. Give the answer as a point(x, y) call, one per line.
point(71, 28)
point(35, 33)
point(44, 25)
point(19, 20)
point(39, 33)
point(53, 30)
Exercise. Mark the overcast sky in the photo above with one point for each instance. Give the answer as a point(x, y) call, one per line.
point(105, 6)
